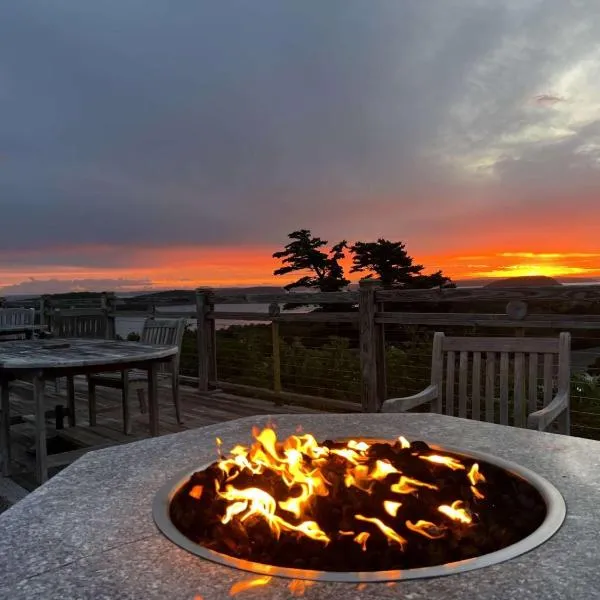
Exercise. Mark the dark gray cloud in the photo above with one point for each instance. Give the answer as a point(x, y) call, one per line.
point(232, 122)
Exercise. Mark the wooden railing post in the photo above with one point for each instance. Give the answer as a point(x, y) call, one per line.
point(368, 354)
point(203, 336)
point(274, 311)
point(380, 358)
point(42, 312)
point(212, 341)
point(48, 317)
point(108, 305)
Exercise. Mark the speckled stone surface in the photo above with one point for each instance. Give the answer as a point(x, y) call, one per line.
point(89, 533)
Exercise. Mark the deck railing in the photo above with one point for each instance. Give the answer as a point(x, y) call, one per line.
point(376, 324)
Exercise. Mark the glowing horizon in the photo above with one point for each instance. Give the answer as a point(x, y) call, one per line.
point(190, 267)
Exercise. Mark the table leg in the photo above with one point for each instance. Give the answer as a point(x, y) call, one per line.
point(125, 401)
point(41, 458)
point(71, 400)
point(5, 429)
point(153, 399)
point(92, 402)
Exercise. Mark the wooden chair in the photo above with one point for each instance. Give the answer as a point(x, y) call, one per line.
point(514, 387)
point(17, 323)
point(79, 326)
point(167, 332)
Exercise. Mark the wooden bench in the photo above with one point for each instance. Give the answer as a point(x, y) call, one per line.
point(540, 367)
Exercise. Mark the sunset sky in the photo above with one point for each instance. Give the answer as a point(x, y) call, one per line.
point(145, 143)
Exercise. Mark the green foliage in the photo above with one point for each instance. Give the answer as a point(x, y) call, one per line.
point(329, 367)
point(408, 369)
point(304, 255)
point(392, 265)
point(329, 370)
point(188, 361)
point(594, 368)
point(585, 405)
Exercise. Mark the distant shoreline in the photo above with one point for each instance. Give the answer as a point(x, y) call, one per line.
point(252, 290)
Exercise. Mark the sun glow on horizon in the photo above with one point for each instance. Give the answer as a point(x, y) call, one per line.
point(534, 270)
point(191, 267)
point(535, 264)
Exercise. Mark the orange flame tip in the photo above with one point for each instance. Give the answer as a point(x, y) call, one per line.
point(477, 493)
point(446, 461)
point(362, 538)
point(387, 531)
point(426, 528)
point(382, 469)
point(474, 475)
point(196, 492)
point(391, 508)
point(298, 586)
point(246, 584)
point(359, 446)
point(408, 485)
point(456, 512)
point(404, 443)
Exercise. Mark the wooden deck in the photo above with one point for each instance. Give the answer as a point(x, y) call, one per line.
point(198, 410)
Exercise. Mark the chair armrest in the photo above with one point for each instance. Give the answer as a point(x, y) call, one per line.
point(408, 402)
point(542, 418)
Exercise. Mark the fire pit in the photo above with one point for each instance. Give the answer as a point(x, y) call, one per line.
point(89, 532)
point(357, 509)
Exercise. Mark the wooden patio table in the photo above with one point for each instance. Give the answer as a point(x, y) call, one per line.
point(38, 360)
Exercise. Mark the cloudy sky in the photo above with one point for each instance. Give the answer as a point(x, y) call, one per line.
point(146, 142)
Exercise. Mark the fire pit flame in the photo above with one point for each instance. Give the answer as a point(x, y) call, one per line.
point(456, 512)
point(447, 461)
point(298, 462)
point(357, 505)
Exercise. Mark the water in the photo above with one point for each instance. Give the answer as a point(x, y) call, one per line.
point(125, 325)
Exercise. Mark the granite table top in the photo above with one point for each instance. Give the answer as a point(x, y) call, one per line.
point(89, 532)
point(57, 353)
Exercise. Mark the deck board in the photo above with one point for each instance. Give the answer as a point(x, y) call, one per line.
point(197, 410)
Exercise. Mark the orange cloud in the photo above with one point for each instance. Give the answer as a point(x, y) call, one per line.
point(189, 266)
point(520, 263)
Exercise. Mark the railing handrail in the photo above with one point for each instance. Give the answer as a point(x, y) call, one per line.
point(569, 292)
point(373, 308)
point(578, 293)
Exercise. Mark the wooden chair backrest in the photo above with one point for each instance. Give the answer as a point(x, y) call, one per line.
point(167, 332)
point(81, 326)
point(488, 378)
point(11, 318)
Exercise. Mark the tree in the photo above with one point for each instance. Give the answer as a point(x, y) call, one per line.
point(304, 254)
point(390, 262)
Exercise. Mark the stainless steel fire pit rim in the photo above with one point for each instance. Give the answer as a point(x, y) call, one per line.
point(556, 512)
